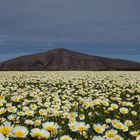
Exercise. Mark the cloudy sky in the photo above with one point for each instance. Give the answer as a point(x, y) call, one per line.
point(100, 27)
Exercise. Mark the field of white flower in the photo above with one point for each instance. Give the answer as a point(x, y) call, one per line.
point(70, 105)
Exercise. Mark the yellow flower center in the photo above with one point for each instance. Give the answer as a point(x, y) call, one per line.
point(65, 138)
point(110, 135)
point(105, 111)
point(81, 116)
point(117, 138)
point(1, 97)
point(72, 120)
point(72, 115)
point(119, 126)
point(135, 134)
point(85, 104)
point(5, 130)
point(50, 128)
point(38, 135)
point(16, 99)
point(19, 134)
point(117, 116)
point(113, 107)
point(98, 130)
point(81, 128)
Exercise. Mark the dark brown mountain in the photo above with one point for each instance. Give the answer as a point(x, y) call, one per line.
point(63, 59)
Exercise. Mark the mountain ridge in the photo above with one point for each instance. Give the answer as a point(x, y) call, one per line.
point(64, 59)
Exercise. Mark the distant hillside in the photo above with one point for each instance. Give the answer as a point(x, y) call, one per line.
point(63, 59)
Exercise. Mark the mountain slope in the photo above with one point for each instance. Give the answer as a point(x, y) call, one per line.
point(63, 59)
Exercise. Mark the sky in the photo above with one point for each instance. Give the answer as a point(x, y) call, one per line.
point(109, 28)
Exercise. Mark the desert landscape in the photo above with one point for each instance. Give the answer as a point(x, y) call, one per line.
point(69, 70)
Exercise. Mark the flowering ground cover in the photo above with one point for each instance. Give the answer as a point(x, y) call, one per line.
point(70, 105)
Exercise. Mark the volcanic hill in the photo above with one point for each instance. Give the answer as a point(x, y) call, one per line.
point(63, 59)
